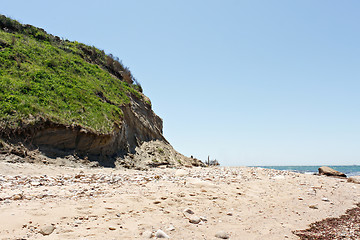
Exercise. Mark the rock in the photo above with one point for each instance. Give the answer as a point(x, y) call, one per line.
point(112, 228)
point(147, 234)
point(330, 172)
point(17, 197)
point(189, 211)
point(161, 234)
point(354, 179)
point(171, 228)
point(181, 173)
point(194, 220)
point(313, 206)
point(325, 199)
point(47, 230)
point(222, 235)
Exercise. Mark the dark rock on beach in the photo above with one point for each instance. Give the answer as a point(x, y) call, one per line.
point(330, 172)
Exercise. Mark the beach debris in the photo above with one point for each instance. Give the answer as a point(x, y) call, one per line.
point(330, 172)
point(161, 234)
point(222, 235)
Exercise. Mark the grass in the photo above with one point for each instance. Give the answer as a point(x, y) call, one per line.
point(62, 81)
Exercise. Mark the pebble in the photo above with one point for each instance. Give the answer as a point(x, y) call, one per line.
point(194, 220)
point(222, 235)
point(161, 234)
point(147, 234)
point(47, 230)
point(17, 197)
point(171, 228)
point(112, 228)
point(189, 211)
point(313, 206)
point(181, 173)
point(325, 199)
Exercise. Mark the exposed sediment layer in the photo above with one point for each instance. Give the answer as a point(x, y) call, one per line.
point(139, 125)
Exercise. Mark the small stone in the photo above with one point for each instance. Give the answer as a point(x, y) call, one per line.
point(17, 197)
point(189, 211)
point(194, 220)
point(171, 228)
point(147, 234)
point(157, 202)
point(229, 214)
point(325, 199)
point(112, 228)
point(181, 173)
point(35, 184)
point(161, 234)
point(204, 219)
point(300, 198)
point(47, 230)
point(222, 235)
point(313, 207)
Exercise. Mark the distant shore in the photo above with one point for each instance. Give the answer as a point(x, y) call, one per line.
point(349, 170)
point(188, 203)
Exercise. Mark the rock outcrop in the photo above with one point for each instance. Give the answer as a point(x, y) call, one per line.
point(330, 172)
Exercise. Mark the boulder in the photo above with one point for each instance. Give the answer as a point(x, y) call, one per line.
point(330, 172)
point(354, 179)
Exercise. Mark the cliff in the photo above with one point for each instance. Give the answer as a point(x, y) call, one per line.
point(63, 98)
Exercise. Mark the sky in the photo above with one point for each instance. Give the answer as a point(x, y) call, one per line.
point(255, 82)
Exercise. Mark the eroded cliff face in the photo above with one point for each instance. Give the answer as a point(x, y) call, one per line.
point(137, 142)
point(139, 124)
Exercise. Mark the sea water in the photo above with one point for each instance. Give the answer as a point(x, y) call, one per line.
point(349, 170)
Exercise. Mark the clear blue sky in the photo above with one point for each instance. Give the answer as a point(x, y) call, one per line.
point(246, 82)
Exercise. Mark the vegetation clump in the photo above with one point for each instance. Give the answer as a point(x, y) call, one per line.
point(43, 76)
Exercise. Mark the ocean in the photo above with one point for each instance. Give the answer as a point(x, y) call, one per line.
point(349, 170)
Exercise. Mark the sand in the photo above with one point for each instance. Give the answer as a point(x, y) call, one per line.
point(53, 202)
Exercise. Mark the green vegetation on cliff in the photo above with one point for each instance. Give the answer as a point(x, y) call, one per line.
point(42, 76)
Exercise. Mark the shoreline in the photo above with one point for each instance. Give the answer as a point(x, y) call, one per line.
point(94, 203)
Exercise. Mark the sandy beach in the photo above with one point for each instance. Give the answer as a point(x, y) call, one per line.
point(52, 202)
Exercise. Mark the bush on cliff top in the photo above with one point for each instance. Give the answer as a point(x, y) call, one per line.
point(62, 81)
